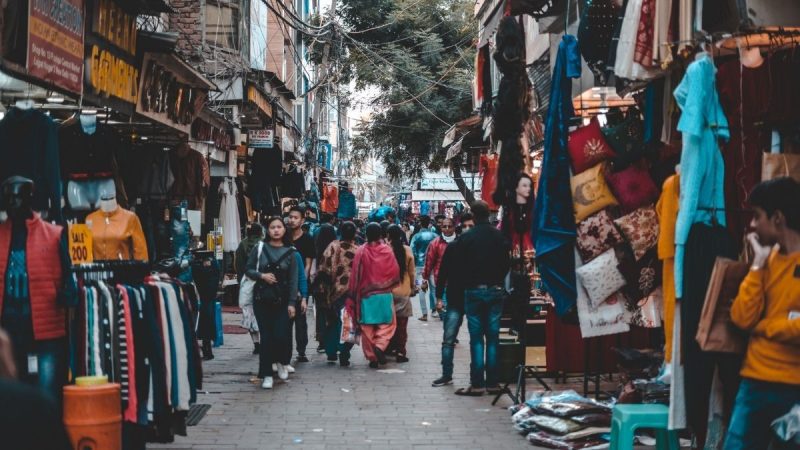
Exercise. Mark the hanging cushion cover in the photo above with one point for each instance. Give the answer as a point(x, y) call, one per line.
point(596, 234)
point(600, 277)
point(590, 192)
point(633, 187)
point(642, 277)
point(640, 229)
point(626, 137)
point(587, 146)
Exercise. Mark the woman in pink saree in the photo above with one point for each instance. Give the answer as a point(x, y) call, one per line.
point(375, 273)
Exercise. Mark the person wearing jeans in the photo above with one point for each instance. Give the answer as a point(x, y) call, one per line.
point(477, 264)
point(419, 247)
point(768, 307)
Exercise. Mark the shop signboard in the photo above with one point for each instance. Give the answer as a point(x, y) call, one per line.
point(261, 138)
point(80, 244)
point(55, 43)
point(111, 73)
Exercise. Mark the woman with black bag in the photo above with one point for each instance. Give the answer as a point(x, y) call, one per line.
point(274, 269)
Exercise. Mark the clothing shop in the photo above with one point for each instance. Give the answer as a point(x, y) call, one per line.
point(663, 116)
point(106, 160)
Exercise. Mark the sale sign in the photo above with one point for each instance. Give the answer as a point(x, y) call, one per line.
point(55, 42)
point(80, 244)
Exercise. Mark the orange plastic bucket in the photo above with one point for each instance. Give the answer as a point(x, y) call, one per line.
point(93, 416)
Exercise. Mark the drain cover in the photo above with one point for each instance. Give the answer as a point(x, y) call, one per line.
point(196, 414)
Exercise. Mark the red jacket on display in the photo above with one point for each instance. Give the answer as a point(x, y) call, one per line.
point(43, 260)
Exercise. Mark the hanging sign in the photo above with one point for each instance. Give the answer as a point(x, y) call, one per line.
point(55, 42)
point(261, 138)
point(80, 244)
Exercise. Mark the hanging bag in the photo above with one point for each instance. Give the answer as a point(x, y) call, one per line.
point(274, 295)
point(246, 288)
point(716, 332)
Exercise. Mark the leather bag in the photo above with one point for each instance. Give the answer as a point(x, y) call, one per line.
point(716, 332)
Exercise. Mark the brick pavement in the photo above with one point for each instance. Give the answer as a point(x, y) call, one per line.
point(327, 406)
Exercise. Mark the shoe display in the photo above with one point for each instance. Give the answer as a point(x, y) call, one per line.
point(301, 359)
point(442, 381)
point(267, 383)
point(283, 373)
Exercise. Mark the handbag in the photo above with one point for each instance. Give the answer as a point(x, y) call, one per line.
point(776, 165)
point(377, 309)
point(246, 287)
point(716, 332)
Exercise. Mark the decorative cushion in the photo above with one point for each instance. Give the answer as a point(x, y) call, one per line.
point(587, 147)
point(633, 187)
point(590, 193)
point(641, 277)
point(627, 137)
point(597, 234)
point(601, 277)
point(640, 229)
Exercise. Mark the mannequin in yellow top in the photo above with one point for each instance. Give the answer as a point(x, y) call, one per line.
point(116, 233)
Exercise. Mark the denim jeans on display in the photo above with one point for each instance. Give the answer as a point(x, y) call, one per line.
point(453, 317)
point(758, 404)
point(484, 307)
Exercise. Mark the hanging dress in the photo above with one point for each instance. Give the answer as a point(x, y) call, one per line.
point(229, 216)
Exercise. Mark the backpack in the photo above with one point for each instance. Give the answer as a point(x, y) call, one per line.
point(274, 294)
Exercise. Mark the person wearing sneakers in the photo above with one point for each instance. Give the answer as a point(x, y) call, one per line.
point(433, 257)
point(274, 268)
point(419, 246)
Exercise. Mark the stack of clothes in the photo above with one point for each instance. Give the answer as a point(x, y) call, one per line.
point(563, 420)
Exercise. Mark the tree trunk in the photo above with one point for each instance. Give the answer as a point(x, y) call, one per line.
point(455, 168)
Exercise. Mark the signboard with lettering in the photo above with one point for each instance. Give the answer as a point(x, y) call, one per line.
point(261, 138)
point(55, 42)
point(80, 244)
point(111, 72)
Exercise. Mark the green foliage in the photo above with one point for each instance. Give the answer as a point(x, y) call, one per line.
point(419, 54)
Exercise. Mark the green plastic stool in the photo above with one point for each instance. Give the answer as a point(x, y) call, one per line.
point(626, 419)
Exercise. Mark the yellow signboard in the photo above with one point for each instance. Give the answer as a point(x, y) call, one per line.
point(80, 244)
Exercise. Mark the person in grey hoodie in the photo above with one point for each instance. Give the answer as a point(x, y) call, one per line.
point(273, 316)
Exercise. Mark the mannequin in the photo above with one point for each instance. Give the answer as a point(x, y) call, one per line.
point(750, 57)
point(116, 233)
point(516, 224)
point(88, 119)
point(36, 287)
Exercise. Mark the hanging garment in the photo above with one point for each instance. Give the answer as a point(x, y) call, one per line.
point(661, 23)
point(667, 209)
point(625, 65)
point(744, 93)
point(29, 148)
point(192, 180)
point(229, 216)
point(292, 182)
point(152, 177)
point(643, 52)
point(87, 156)
point(702, 123)
point(489, 179)
point(553, 230)
point(264, 179)
point(206, 274)
point(330, 198)
point(595, 35)
point(347, 205)
point(117, 235)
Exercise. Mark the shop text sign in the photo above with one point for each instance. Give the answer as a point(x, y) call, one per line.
point(80, 244)
point(55, 42)
point(261, 138)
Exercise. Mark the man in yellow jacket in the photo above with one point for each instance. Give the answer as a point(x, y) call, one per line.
point(768, 307)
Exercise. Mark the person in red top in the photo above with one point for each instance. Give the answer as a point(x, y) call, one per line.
point(433, 258)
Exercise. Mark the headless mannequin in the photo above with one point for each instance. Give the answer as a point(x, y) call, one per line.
point(88, 122)
point(40, 358)
point(750, 57)
point(117, 232)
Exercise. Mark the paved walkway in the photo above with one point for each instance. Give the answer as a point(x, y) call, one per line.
point(330, 407)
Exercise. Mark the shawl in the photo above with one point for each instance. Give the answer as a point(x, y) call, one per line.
point(375, 271)
point(337, 263)
point(553, 230)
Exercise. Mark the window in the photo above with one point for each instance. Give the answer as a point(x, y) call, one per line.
point(222, 24)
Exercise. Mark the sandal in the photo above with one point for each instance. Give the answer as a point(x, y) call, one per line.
point(494, 390)
point(470, 391)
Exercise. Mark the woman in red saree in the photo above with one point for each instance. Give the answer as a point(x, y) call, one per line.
point(375, 273)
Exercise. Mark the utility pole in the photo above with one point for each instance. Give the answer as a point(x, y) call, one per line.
point(321, 75)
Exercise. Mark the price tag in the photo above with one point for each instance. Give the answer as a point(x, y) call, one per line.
point(80, 244)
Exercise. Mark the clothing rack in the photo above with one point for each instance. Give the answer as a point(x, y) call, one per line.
point(130, 271)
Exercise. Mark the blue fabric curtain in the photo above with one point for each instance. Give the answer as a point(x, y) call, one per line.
point(553, 229)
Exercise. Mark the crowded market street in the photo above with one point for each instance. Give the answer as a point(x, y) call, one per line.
point(324, 406)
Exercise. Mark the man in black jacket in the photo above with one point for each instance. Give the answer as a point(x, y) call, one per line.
point(477, 268)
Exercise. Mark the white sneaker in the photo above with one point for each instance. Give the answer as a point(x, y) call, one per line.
point(283, 374)
point(274, 367)
point(267, 383)
point(289, 368)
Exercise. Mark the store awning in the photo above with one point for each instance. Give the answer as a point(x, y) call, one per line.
point(436, 196)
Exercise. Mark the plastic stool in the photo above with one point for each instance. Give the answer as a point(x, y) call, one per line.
point(626, 419)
